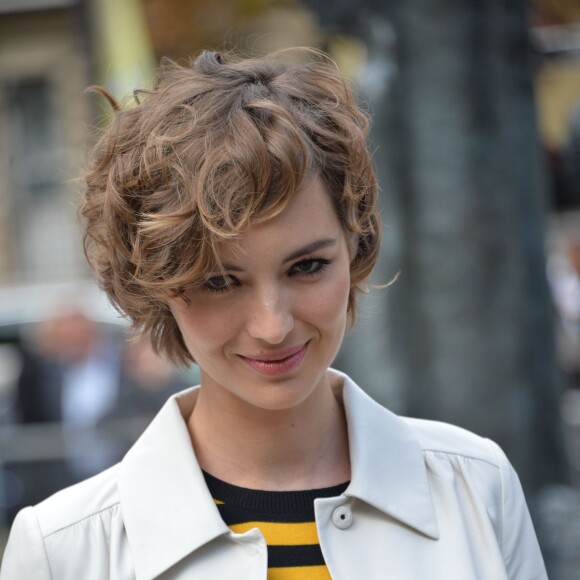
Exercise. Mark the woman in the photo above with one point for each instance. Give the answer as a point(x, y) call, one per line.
point(231, 215)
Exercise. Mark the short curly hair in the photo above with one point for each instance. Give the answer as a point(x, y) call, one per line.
point(214, 147)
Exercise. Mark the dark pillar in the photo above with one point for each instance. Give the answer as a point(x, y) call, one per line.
point(467, 328)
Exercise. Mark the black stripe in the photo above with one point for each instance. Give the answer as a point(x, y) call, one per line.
point(285, 556)
point(232, 516)
point(271, 502)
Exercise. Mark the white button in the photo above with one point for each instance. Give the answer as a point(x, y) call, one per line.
point(342, 517)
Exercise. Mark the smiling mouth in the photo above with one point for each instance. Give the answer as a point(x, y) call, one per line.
point(277, 363)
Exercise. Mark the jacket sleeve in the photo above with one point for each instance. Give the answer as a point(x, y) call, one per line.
point(25, 555)
point(519, 545)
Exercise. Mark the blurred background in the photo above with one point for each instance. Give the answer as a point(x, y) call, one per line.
point(476, 140)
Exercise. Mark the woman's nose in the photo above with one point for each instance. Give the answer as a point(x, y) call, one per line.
point(270, 316)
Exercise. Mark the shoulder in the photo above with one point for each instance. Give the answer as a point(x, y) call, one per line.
point(388, 429)
point(82, 519)
point(449, 440)
point(78, 503)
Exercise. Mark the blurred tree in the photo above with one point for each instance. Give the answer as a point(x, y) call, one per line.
point(124, 52)
point(180, 28)
point(469, 330)
point(557, 12)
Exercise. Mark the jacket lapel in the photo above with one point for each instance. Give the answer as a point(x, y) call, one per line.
point(167, 508)
point(388, 469)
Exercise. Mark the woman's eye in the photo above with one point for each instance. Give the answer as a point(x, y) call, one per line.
point(310, 267)
point(219, 283)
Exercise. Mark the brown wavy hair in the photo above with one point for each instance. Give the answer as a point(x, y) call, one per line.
point(214, 147)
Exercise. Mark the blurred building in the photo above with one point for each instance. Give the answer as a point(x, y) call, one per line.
point(50, 51)
point(44, 68)
point(555, 36)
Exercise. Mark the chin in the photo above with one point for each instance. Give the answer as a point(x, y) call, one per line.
point(294, 391)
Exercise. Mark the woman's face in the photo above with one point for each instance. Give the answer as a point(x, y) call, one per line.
point(265, 334)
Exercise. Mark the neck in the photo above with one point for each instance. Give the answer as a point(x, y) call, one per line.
point(305, 447)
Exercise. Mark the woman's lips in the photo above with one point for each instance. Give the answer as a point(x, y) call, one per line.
point(276, 363)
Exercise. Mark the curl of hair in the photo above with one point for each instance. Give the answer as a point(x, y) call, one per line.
point(214, 147)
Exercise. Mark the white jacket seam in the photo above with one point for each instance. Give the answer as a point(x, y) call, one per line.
point(464, 455)
point(502, 502)
point(75, 523)
point(44, 549)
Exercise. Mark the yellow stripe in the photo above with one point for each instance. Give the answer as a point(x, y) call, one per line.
point(302, 572)
point(282, 534)
point(218, 501)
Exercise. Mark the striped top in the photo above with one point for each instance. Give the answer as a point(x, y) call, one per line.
point(286, 520)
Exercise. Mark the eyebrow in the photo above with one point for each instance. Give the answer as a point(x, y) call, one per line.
point(303, 251)
point(312, 247)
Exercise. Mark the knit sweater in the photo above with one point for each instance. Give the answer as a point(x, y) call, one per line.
point(285, 518)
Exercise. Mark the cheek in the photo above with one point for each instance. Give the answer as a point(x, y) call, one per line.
point(202, 328)
point(329, 300)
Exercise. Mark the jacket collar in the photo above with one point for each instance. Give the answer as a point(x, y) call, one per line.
point(169, 512)
point(167, 509)
point(387, 465)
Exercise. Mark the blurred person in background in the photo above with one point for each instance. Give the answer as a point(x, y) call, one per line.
point(71, 375)
point(564, 276)
point(232, 215)
point(72, 372)
point(148, 380)
point(78, 376)
point(70, 380)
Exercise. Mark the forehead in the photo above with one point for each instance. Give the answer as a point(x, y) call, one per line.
point(309, 216)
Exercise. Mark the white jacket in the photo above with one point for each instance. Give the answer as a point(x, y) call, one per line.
point(427, 501)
